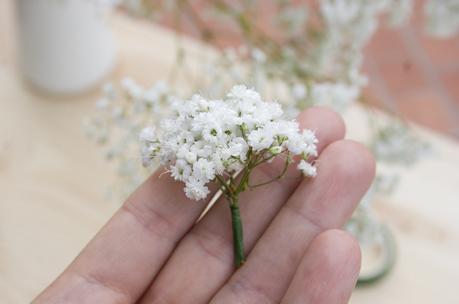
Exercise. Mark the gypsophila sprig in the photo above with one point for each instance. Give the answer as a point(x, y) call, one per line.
point(211, 141)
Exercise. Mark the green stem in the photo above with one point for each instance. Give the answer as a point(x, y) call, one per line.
point(238, 239)
point(287, 162)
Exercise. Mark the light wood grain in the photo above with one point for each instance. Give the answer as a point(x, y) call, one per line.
point(53, 180)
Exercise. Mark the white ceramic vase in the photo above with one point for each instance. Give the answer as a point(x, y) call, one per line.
point(65, 46)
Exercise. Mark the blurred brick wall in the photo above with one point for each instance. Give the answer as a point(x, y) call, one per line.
point(412, 74)
point(416, 75)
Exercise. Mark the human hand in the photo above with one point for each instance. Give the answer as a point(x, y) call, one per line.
point(152, 251)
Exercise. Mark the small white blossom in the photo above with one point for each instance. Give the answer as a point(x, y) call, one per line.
point(299, 91)
point(196, 189)
point(147, 135)
point(191, 157)
point(309, 137)
point(258, 55)
point(275, 150)
point(336, 95)
point(261, 139)
point(132, 88)
point(204, 169)
point(307, 169)
point(181, 170)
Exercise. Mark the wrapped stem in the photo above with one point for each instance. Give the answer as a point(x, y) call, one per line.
point(238, 240)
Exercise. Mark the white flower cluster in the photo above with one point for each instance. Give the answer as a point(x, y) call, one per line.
point(442, 17)
point(208, 139)
point(122, 112)
point(396, 144)
point(337, 95)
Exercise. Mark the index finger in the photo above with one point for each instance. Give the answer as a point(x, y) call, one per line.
point(125, 255)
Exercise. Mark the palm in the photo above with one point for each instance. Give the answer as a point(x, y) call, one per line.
point(152, 251)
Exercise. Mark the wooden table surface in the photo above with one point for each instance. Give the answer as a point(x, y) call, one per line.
point(53, 181)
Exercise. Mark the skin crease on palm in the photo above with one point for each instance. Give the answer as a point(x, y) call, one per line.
point(153, 251)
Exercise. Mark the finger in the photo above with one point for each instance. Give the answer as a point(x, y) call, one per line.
point(328, 271)
point(122, 259)
point(206, 253)
point(344, 174)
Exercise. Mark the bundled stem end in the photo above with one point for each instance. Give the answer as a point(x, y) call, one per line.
point(238, 240)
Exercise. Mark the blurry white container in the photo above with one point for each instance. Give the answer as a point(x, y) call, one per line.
point(65, 46)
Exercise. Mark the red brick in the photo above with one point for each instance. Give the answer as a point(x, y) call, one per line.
point(442, 52)
point(451, 83)
point(401, 77)
point(370, 97)
point(426, 108)
point(386, 46)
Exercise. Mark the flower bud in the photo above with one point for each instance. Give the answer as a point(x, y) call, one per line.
point(275, 150)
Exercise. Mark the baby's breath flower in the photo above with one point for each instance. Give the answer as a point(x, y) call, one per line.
point(209, 140)
point(181, 170)
point(212, 141)
point(307, 168)
point(336, 95)
point(195, 188)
